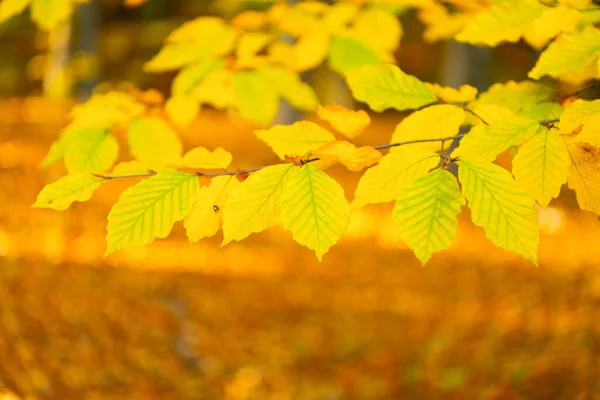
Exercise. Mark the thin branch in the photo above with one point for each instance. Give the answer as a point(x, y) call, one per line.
point(442, 139)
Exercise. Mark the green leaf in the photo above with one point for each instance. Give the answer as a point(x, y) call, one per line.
point(150, 209)
point(190, 76)
point(386, 86)
point(68, 137)
point(570, 52)
point(255, 205)
point(505, 211)
point(290, 87)
point(10, 8)
point(395, 172)
point(95, 152)
point(153, 143)
point(314, 209)
point(256, 99)
point(204, 220)
point(426, 213)
point(297, 139)
point(542, 166)
point(60, 194)
point(485, 142)
point(49, 13)
point(504, 22)
point(542, 111)
point(347, 53)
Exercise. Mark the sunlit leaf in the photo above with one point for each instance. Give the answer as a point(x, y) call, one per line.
point(485, 142)
point(310, 51)
point(347, 54)
point(550, 23)
point(314, 209)
point(515, 96)
point(10, 8)
point(191, 76)
point(394, 173)
point(204, 220)
point(542, 111)
point(487, 114)
point(95, 152)
point(463, 94)
point(67, 138)
point(378, 29)
point(349, 122)
point(249, 44)
point(256, 100)
point(386, 86)
point(199, 157)
point(569, 52)
point(584, 117)
point(338, 16)
point(105, 110)
point(583, 175)
point(437, 121)
point(297, 139)
point(352, 157)
point(290, 87)
point(255, 205)
point(49, 13)
point(129, 168)
point(216, 89)
point(182, 109)
point(250, 20)
point(503, 22)
point(426, 213)
point(150, 208)
point(542, 166)
point(154, 143)
point(61, 194)
point(499, 205)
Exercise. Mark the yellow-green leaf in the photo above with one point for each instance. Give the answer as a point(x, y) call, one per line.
point(60, 194)
point(349, 122)
point(10, 8)
point(105, 110)
point(352, 157)
point(386, 86)
point(92, 153)
point(347, 53)
point(437, 121)
point(154, 143)
point(207, 213)
point(570, 52)
point(426, 213)
point(67, 138)
point(485, 142)
point(49, 13)
point(255, 98)
point(515, 96)
point(378, 29)
point(503, 22)
point(199, 157)
point(550, 23)
point(505, 211)
point(314, 209)
point(255, 205)
point(191, 76)
point(150, 208)
point(542, 166)
point(297, 139)
point(182, 109)
point(583, 175)
point(394, 173)
point(543, 111)
point(290, 87)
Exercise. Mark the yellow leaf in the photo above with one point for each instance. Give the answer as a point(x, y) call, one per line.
point(154, 143)
point(298, 139)
point(255, 205)
point(347, 53)
point(590, 133)
point(379, 29)
point(552, 22)
point(310, 50)
point(290, 87)
point(199, 157)
point(129, 168)
point(568, 53)
point(61, 194)
point(49, 13)
point(255, 98)
point(192, 75)
point(10, 8)
point(507, 21)
point(584, 175)
point(448, 94)
point(314, 209)
point(294, 21)
point(515, 95)
point(347, 154)
point(349, 122)
point(505, 211)
point(105, 110)
point(92, 153)
point(440, 24)
point(338, 16)
point(577, 115)
point(250, 20)
point(182, 109)
point(249, 44)
point(437, 121)
point(394, 173)
point(487, 114)
point(216, 89)
point(207, 213)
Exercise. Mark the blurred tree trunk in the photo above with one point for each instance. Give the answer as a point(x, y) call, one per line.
point(466, 64)
point(57, 82)
point(87, 21)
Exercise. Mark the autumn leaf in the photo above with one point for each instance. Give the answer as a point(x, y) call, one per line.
point(200, 157)
point(146, 135)
point(61, 194)
point(583, 174)
point(348, 122)
point(297, 139)
point(352, 157)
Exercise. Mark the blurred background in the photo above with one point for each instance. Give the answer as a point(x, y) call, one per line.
point(263, 319)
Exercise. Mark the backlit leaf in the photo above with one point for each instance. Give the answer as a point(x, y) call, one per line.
point(349, 122)
point(216, 89)
point(255, 205)
point(150, 208)
point(515, 96)
point(550, 23)
point(378, 29)
point(352, 157)
point(487, 114)
point(542, 166)
point(386, 86)
point(207, 213)
point(314, 209)
point(463, 94)
point(105, 110)
point(542, 111)
point(49, 13)
point(10, 8)
point(153, 143)
point(505, 211)
point(290, 87)
point(191, 76)
point(67, 138)
point(347, 53)
point(182, 109)
point(426, 213)
point(199, 157)
point(256, 100)
point(583, 175)
point(61, 194)
point(297, 139)
point(437, 121)
point(394, 173)
point(310, 51)
point(568, 53)
point(503, 22)
point(95, 152)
